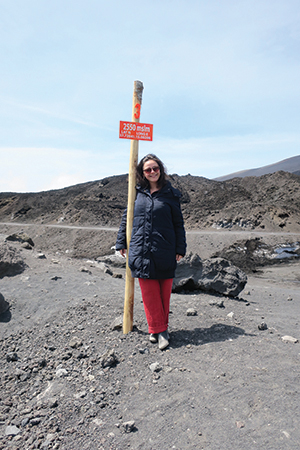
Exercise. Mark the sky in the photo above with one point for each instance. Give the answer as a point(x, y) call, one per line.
point(221, 87)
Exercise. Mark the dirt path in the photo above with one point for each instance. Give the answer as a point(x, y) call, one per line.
point(190, 232)
point(94, 241)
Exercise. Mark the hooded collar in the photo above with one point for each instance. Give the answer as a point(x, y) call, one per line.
point(166, 189)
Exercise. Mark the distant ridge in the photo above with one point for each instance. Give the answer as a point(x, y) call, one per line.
point(291, 165)
point(270, 202)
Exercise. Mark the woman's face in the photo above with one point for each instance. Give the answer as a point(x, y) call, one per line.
point(151, 171)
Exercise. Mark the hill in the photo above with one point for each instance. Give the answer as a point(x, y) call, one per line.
point(291, 165)
point(270, 202)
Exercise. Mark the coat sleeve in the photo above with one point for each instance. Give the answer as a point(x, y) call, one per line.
point(179, 228)
point(121, 238)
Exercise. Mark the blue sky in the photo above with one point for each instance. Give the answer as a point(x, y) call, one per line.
point(221, 86)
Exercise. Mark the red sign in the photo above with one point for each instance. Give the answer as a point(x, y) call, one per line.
point(137, 131)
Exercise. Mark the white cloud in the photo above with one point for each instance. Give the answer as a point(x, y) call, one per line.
point(9, 182)
point(37, 169)
point(63, 180)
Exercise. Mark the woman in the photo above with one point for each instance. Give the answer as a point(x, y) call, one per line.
point(157, 243)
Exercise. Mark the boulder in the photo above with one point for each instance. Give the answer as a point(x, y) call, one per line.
point(20, 237)
point(11, 262)
point(113, 260)
point(216, 275)
point(4, 305)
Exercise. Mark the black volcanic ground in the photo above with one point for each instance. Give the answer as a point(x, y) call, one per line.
point(270, 202)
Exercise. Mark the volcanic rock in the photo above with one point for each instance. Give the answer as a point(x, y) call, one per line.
point(216, 275)
point(20, 237)
point(4, 305)
point(109, 359)
point(11, 262)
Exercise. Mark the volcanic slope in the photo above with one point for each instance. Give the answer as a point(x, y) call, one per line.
point(270, 202)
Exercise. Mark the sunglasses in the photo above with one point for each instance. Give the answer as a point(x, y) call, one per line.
point(149, 169)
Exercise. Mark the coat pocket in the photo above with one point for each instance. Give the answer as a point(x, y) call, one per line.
point(163, 252)
point(164, 262)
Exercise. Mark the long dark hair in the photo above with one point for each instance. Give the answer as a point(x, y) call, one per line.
point(141, 180)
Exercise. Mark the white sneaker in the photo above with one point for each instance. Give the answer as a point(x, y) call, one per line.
point(163, 341)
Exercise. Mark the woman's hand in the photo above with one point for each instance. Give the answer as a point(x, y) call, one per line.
point(123, 252)
point(178, 257)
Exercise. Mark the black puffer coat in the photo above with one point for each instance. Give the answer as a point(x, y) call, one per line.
point(157, 235)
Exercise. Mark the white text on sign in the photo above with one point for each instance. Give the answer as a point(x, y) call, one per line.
point(137, 131)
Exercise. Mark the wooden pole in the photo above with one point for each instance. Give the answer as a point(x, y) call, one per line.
point(134, 154)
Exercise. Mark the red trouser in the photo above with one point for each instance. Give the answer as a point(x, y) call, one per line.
point(156, 298)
